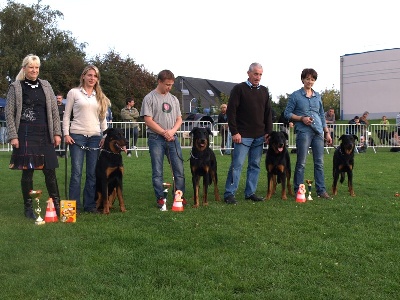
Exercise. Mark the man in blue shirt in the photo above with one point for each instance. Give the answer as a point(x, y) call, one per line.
point(305, 109)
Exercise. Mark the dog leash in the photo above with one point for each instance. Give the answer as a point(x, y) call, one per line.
point(87, 148)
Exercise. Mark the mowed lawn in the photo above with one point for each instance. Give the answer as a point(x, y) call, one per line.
point(345, 248)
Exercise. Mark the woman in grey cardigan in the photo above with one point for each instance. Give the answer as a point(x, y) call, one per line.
point(33, 130)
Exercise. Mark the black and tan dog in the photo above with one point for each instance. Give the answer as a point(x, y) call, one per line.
point(277, 163)
point(343, 162)
point(109, 171)
point(203, 163)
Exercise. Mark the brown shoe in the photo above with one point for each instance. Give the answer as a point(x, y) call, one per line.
point(324, 195)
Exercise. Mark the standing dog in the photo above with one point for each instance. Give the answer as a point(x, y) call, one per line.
point(109, 171)
point(343, 162)
point(203, 163)
point(277, 164)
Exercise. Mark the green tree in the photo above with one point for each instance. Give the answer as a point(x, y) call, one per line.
point(25, 30)
point(281, 105)
point(122, 78)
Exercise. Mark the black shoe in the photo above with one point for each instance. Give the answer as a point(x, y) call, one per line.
point(230, 200)
point(255, 198)
point(92, 211)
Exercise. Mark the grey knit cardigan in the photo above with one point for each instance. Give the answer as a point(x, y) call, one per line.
point(14, 109)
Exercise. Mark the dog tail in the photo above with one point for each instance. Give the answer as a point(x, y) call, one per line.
point(342, 175)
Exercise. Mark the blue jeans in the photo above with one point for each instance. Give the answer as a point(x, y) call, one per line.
point(253, 148)
point(158, 147)
point(77, 157)
point(304, 140)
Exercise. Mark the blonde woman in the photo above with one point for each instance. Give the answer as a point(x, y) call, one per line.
point(84, 134)
point(33, 130)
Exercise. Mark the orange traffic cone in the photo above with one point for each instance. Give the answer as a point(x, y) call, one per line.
point(301, 197)
point(51, 214)
point(178, 205)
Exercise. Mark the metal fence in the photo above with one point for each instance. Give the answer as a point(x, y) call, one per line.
point(375, 135)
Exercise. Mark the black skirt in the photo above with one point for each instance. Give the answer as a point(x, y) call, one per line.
point(36, 151)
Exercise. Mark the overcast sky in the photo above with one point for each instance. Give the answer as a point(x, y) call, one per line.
point(219, 39)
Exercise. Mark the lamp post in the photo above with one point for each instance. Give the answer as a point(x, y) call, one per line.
point(190, 104)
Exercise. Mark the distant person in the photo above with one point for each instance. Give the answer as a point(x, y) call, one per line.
point(286, 124)
point(223, 128)
point(330, 120)
point(398, 123)
point(33, 131)
point(354, 126)
point(130, 114)
point(364, 122)
point(162, 115)
point(250, 123)
point(109, 114)
point(384, 130)
point(364, 118)
point(61, 109)
point(85, 135)
point(362, 145)
point(305, 109)
point(395, 140)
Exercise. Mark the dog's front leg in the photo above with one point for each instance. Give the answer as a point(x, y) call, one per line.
point(350, 182)
point(104, 194)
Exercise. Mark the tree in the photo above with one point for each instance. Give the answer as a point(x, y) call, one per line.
point(25, 30)
point(281, 105)
point(122, 78)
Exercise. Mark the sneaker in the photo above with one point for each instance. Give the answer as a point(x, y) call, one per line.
point(230, 200)
point(129, 155)
point(160, 202)
point(254, 198)
point(324, 195)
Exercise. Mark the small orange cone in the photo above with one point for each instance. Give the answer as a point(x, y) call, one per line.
point(178, 205)
point(51, 214)
point(301, 197)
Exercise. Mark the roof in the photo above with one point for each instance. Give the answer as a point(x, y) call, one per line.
point(207, 91)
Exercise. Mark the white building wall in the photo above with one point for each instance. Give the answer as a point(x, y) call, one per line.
point(370, 81)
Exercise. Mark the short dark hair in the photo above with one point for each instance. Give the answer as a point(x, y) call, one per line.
point(165, 74)
point(129, 100)
point(307, 72)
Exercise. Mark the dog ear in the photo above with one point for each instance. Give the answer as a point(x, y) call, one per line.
point(193, 130)
point(106, 131)
point(355, 137)
point(340, 137)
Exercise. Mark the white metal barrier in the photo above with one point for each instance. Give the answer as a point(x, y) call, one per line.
point(376, 135)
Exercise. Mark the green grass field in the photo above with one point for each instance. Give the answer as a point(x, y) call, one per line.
point(346, 248)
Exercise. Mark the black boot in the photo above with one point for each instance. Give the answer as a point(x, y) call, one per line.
point(52, 188)
point(27, 186)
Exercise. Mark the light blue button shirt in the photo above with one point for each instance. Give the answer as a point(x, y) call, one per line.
point(300, 105)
